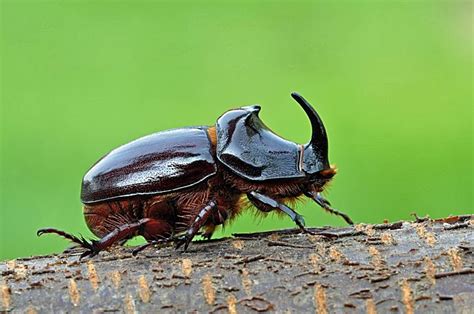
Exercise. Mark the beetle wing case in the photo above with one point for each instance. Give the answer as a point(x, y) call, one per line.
point(251, 150)
point(158, 163)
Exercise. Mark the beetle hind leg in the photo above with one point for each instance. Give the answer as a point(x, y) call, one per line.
point(81, 242)
point(93, 247)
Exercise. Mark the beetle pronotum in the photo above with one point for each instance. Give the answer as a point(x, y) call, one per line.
point(169, 185)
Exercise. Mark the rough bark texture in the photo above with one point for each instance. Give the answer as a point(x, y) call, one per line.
point(423, 266)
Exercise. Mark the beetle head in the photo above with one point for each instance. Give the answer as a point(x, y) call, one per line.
point(316, 151)
point(251, 150)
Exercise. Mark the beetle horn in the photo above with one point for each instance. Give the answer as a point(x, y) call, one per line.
point(319, 140)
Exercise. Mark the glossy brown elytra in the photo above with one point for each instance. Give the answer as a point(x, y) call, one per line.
point(169, 185)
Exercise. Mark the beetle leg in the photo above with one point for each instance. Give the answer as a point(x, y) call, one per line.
point(94, 247)
point(120, 233)
point(324, 203)
point(80, 241)
point(152, 242)
point(262, 202)
point(199, 221)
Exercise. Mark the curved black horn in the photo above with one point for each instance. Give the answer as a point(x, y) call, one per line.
point(319, 139)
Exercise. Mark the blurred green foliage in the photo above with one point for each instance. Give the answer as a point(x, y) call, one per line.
point(391, 79)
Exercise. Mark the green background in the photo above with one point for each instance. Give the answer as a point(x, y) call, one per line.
point(392, 81)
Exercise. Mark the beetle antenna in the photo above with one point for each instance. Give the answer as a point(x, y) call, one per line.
point(319, 138)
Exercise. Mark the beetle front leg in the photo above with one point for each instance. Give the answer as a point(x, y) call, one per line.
point(198, 222)
point(324, 203)
point(264, 202)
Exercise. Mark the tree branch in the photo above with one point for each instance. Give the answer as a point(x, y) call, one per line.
point(425, 266)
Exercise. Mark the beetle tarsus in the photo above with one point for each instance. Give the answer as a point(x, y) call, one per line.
point(94, 247)
point(178, 240)
point(299, 220)
point(324, 203)
point(82, 242)
point(151, 243)
point(89, 253)
point(207, 235)
point(142, 247)
point(91, 247)
point(183, 240)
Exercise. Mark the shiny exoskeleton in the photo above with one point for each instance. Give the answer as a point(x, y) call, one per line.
point(170, 185)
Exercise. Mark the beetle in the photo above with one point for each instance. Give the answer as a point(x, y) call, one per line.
point(170, 185)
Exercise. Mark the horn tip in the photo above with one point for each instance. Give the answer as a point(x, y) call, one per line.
point(295, 95)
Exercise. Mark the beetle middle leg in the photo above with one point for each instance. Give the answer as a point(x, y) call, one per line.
point(199, 221)
point(266, 203)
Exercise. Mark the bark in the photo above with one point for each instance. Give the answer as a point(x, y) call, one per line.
point(421, 266)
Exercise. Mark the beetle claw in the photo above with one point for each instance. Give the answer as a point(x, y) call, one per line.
point(179, 242)
point(299, 220)
point(186, 245)
point(91, 251)
point(207, 236)
point(141, 248)
point(183, 240)
point(88, 253)
point(304, 230)
point(83, 255)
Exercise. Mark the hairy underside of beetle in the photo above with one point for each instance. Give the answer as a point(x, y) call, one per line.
point(174, 213)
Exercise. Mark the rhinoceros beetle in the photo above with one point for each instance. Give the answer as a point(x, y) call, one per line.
point(169, 185)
